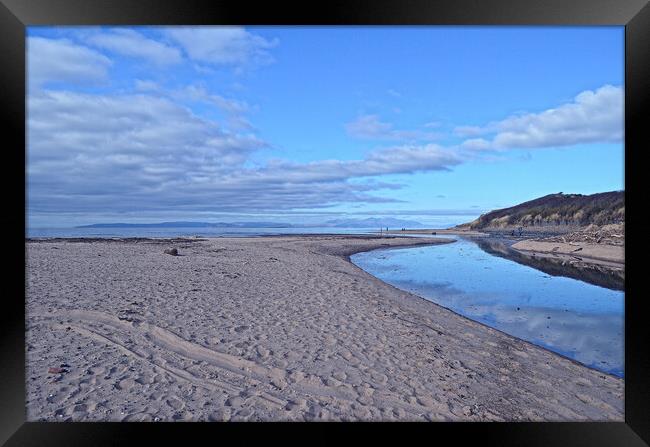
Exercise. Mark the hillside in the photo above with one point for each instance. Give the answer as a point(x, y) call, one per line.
point(556, 210)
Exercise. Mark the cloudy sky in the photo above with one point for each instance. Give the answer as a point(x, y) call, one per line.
point(147, 124)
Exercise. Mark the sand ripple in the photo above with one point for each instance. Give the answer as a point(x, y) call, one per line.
point(277, 328)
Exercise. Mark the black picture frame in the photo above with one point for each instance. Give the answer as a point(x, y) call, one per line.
point(16, 15)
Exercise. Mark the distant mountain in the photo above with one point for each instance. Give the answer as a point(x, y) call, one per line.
point(374, 222)
point(191, 225)
point(556, 210)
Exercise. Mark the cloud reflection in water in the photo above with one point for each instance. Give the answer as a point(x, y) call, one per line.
point(579, 320)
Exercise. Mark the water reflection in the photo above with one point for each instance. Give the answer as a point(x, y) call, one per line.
point(557, 265)
point(569, 316)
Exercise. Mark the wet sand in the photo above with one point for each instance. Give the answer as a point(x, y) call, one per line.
point(273, 328)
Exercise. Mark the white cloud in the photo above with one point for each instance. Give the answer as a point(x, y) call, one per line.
point(476, 144)
point(128, 42)
point(141, 153)
point(238, 122)
point(60, 60)
point(146, 85)
point(433, 124)
point(408, 159)
point(370, 127)
point(94, 133)
point(235, 109)
point(200, 93)
point(592, 117)
point(469, 131)
point(223, 45)
point(395, 160)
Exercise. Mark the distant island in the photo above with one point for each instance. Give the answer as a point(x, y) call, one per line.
point(556, 211)
point(371, 222)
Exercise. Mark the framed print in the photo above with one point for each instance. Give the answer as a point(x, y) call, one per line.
point(363, 213)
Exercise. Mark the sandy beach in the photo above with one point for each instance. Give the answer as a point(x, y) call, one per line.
point(273, 328)
point(607, 253)
point(594, 253)
point(435, 231)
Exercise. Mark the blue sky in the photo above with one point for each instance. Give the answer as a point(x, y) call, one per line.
point(312, 123)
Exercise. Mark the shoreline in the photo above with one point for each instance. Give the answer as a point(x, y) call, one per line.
point(592, 253)
point(416, 296)
point(609, 257)
point(434, 232)
point(349, 372)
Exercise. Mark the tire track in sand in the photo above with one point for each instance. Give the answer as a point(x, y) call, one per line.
point(169, 341)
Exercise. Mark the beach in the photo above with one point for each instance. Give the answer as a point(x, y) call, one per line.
point(273, 329)
point(591, 253)
point(573, 247)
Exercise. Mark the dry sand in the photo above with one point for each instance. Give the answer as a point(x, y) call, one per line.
point(593, 244)
point(585, 251)
point(273, 328)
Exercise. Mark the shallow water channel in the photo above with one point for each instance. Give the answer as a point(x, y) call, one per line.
point(577, 314)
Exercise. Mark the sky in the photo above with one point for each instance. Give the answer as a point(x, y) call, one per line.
point(307, 124)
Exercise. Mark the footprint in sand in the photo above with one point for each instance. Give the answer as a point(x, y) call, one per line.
point(296, 404)
point(220, 415)
point(262, 352)
point(143, 380)
point(296, 376)
point(365, 400)
point(80, 408)
point(235, 401)
point(138, 417)
point(125, 384)
point(175, 403)
point(244, 413)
